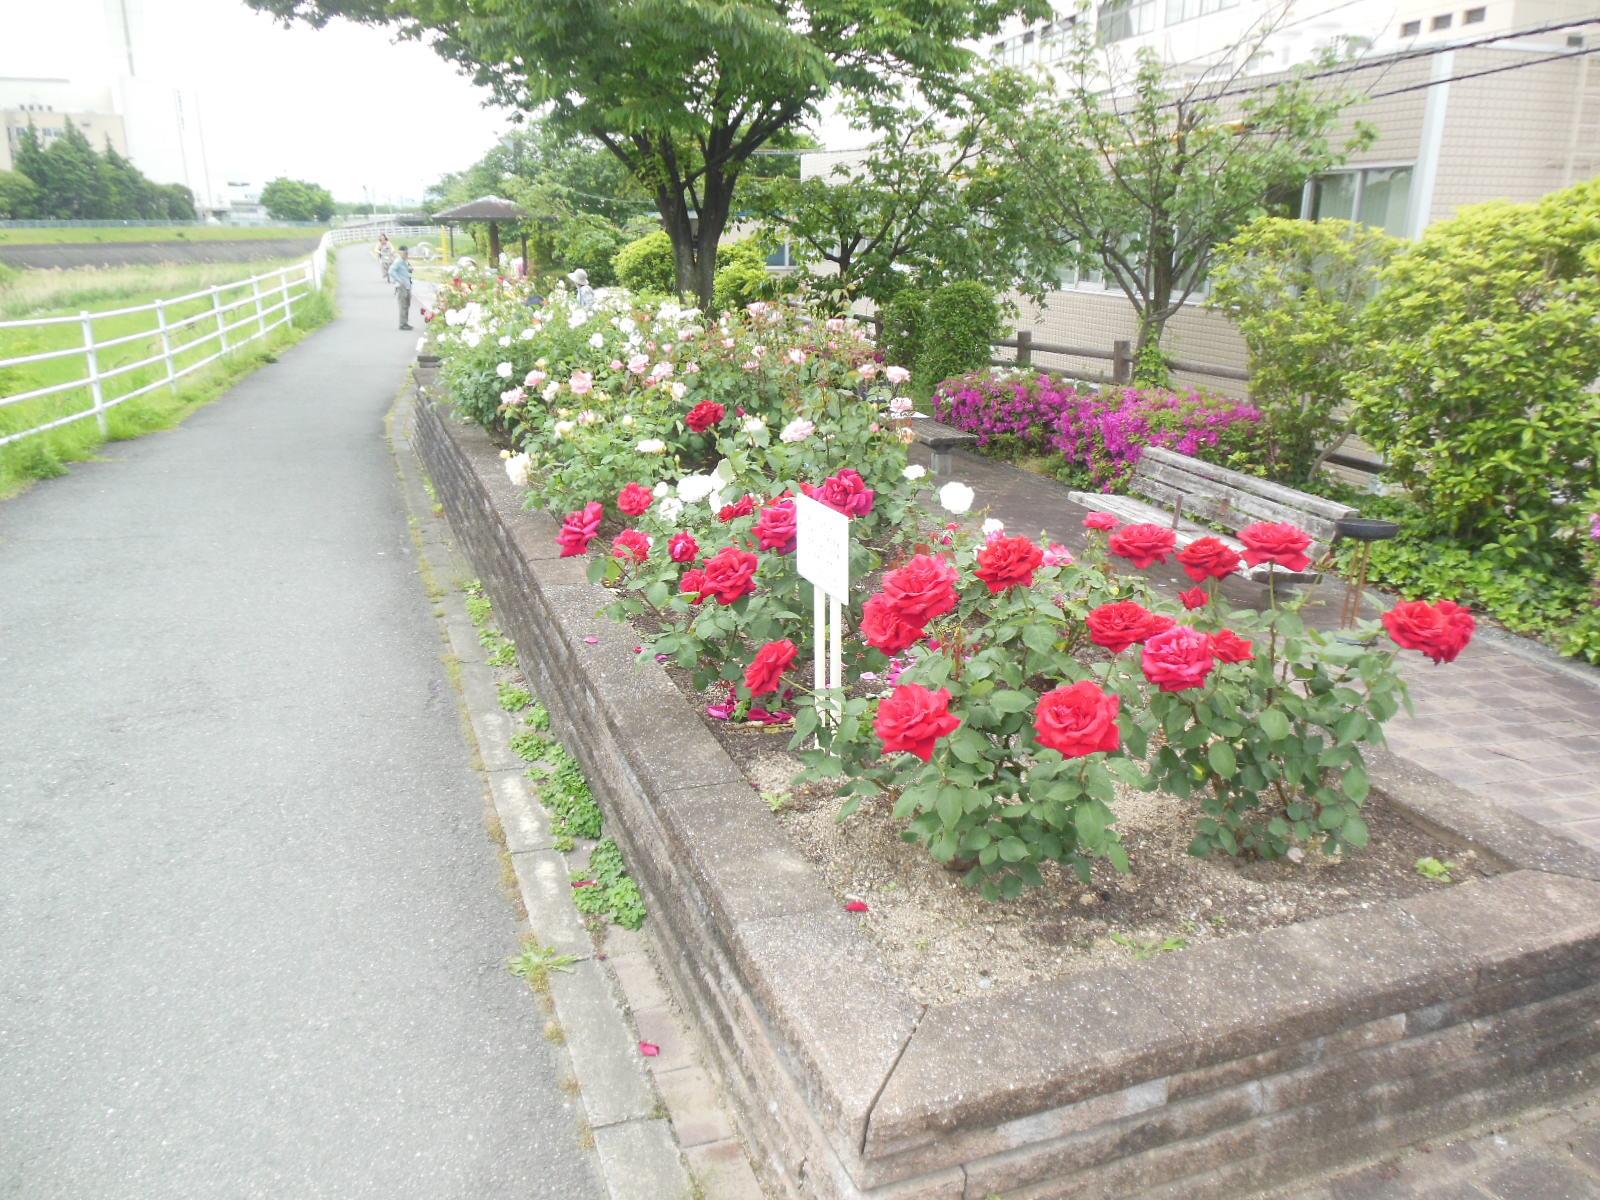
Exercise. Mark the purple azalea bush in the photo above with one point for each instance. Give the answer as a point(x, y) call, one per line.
point(1099, 433)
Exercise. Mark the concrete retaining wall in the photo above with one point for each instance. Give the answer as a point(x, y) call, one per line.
point(1201, 1074)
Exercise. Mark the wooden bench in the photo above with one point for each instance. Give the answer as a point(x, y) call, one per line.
point(941, 439)
point(1176, 488)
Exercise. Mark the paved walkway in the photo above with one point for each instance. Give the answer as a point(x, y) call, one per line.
point(1514, 725)
point(252, 941)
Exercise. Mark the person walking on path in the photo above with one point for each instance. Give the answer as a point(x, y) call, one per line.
point(385, 253)
point(400, 276)
point(585, 295)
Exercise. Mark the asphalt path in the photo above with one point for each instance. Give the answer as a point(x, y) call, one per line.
point(252, 941)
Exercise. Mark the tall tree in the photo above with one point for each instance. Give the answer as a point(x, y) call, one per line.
point(684, 93)
point(1144, 174)
point(128, 193)
point(296, 200)
point(73, 183)
point(934, 200)
point(19, 196)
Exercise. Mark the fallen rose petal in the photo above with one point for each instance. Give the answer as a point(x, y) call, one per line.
point(578, 883)
point(663, 658)
point(638, 649)
point(719, 712)
point(591, 641)
point(649, 1049)
point(856, 906)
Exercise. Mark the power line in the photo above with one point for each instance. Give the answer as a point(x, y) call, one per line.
point(1533, 62)
point(1388, 61)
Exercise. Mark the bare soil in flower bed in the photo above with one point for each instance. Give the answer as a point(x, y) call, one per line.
point(945, 941)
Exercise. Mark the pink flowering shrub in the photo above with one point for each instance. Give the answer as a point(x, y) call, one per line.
point(1098, 433)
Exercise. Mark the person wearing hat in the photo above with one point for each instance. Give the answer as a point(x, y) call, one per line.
point(580, 280)
point(400, 276)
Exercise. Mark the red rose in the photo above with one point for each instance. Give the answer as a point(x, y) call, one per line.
point(631, 543)
point(704, 415)
point(1229, 647)
point(886, 627)
point(1178, 659)
point(845, 492)
point(1441, 631)
point(731, 574)
point(1077, 720)
point(1195, 597)
point(1208, 558)
point(683, 548)
point(775, 529)
point(580, 528)
point(1008, 562)
point(1142, 545)
point(1118, 626)
point(693, 584)
point(923, 589)
point(743, 507)
point(768, 666)
point(634, 499)
point(913, 719)
point(1281, 544)
point(1100, 520)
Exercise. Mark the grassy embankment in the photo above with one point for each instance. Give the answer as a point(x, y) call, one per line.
point(57, 293)
point(90, 234)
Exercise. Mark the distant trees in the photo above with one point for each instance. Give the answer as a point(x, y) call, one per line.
point(69, 180)
point(296, 200)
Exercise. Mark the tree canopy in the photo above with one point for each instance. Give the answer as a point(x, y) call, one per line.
point(1144, 174)
point(69, 180)
point(684, 93)
point(296, 200)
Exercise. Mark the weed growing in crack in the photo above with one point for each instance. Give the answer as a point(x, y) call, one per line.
point(536, 962)
point(614, 895)
point(514, 698)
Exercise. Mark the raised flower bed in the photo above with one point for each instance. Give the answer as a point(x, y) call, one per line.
point(1206, 1071)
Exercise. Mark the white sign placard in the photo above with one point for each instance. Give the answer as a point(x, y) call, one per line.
point(822, 553)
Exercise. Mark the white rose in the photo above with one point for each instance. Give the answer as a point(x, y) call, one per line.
point(797, 430)
point(505, 340)
point(915, 471)
point(597, 340)
point(694, 488)
point(564, 427)
point(652, 446)
point(627, 419)
point(992, 527)
point(662, 490)
point(956, 498)
point(551, 391)
point(753, 425)
point(897, 374)
point(679, 390)
point(472, 337)
point(503, 370)
point(529, 334)
point(670, 508)
point(517, 469)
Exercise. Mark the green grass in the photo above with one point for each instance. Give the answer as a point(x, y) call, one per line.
point(90, 234)
point(55, 293)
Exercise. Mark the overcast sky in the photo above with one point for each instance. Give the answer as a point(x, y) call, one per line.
point(343, 106)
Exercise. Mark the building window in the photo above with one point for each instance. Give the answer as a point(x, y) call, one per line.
point(1472, 16)
point(782, 258)
point(1188, 10)
point(1119, 19)
point(1377, 196)
point(1442, 21)
point(1411, 29)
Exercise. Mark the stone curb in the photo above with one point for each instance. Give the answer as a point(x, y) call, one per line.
point(1206, 1074)
point(659, 1129)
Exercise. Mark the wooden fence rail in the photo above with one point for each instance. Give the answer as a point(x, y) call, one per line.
point(1120, 356)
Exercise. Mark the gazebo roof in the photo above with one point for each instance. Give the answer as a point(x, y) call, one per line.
point(484, 208)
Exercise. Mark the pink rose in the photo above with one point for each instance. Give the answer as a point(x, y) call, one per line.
point(1178, 659)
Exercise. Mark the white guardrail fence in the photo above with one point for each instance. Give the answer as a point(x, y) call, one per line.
point(222, 326)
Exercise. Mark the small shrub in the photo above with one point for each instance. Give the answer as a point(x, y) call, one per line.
point(961, 323)
point(647, 265)
point(741, 276)
point(1099, 434)
point(903, 319)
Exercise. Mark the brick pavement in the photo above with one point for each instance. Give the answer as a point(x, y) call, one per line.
point(1502, 720)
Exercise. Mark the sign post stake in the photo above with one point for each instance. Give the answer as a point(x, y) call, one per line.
point(822, 557)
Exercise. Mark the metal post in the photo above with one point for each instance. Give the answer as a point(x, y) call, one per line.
point(166, 345)
point(1024, 347)
point(96, 390)
point(216, 308)
point(1121, 361)
point(261, 317)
